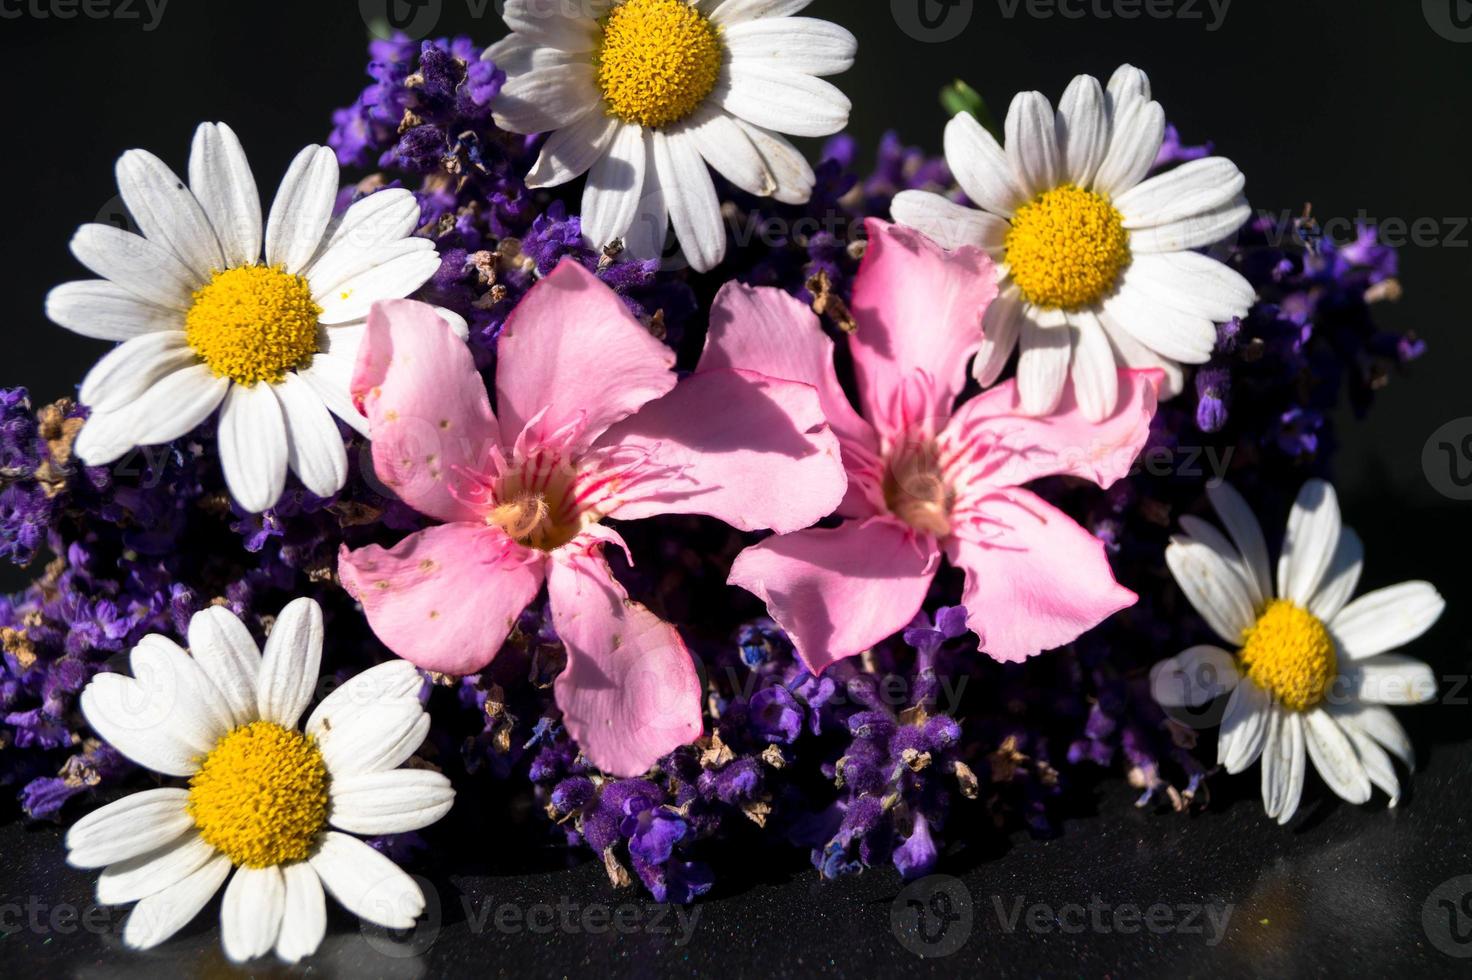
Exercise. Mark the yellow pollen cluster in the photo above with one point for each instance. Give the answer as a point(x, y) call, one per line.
point(1066, 248)
point(1289, 654)
point(253, 323)
point(260, 797)
point(658, 61)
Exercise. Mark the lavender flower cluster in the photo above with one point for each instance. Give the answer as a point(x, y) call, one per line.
point(878, 761)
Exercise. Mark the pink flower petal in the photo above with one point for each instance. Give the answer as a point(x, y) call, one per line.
point(838, 591)
point(630, 693)
point(998, 445)
point(427, 408)
point(444, 598)
point(919, 312)
point(765, 330)
point(571, 349)
point(735, 445)
point(1035, 580)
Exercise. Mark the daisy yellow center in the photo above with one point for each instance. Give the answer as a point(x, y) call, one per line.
point(1289, 654)
point(253, 323)
point(1066, 248)
point(260, 797)
point(658, 61)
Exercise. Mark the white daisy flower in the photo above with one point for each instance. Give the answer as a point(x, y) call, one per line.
point(205, 324)
point(263, 798)
point(642, 94)
point(1097, 264)
point(1311, 672)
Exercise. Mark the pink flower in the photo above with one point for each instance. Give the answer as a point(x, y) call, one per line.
point(923, 481)
point(589, 424)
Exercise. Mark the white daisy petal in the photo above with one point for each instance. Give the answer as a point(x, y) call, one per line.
point(124, 829)
point(800, 44)
point(570, 151)
point(164, 913)
point(128, 370)
point(1386, 619)
point(794, 175)
point(1213, 588)
point(1042, 367)
point(612, 195)
point(1376, 763)
point(167, 212)
point(572, 29)
point(252, 446)
point(1095, 374)
point(1194, 284)
point(388, 683)
point(980, 166)
point(141, 876)
point(329, 376)
point(547, 97)
point(315, 450)
point(1334, 757)
point(1193, 677)
point(393, 279)
point(144, 268)
point(290, 663)
point(695, 211)
point(302, 208)
point(1083, 130)
point(456, 321)
point(1309, 543)
point(137, 723)
point(250, 916)
point(1128, 82)
point(725, 146)
point(221, 179)
point(304, 922)
point(782, 101)
point(173, 406)
point(1341, 578)
point(331, 274)
point(648, 235)
point(382, 217)
point(1032, 143)
point(1206, 533)
point(948, 224)
point(227, 654)
point(1387, 679)
point(102, 310)
point(1170, 333)
point(1001, 327)
point(1377, 723)
point(1283, 761)
point(1246, 533)
point(161, 666)
point(1197, 231)
point(1131, 353)
point(393, 802)
point(1139, 130)
point(1244, 728)
point(732, 12)
point(366, 883)
point(374, 741)
point(1195, 187)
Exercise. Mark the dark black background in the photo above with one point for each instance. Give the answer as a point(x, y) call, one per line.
point(1355, 107)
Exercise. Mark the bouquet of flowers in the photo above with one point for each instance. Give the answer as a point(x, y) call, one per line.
point(737, 501)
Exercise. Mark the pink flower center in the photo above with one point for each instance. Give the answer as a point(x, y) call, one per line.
point(916, 490)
